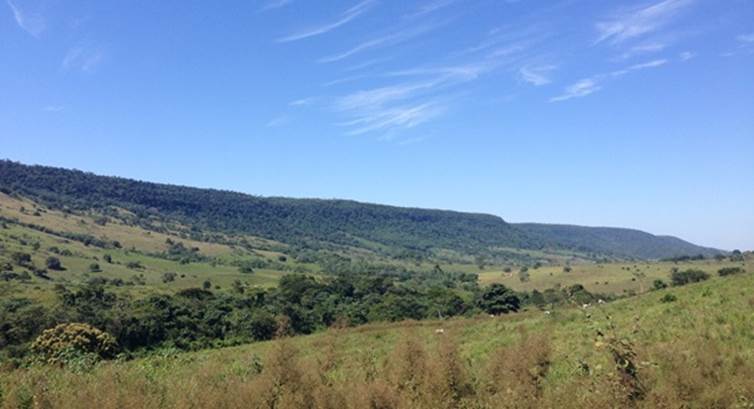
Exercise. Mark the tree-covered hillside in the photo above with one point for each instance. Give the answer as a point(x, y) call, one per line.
point(294, 221)
point(316, 223)
point(615, 241)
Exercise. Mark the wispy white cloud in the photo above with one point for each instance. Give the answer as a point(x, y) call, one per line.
point(275, 4)
point(423, 96)
point(303, 102)
point(642, 49)
point(686, 55)
point(398, 117)
point(581, 88)
point(82, 58)
point(366, 64)
point(386, 40)
point(278, 121)
point(744, 46)
point(344, 18)
point(33, 24)
point(746, 38)
point(343, 80)
point(430, 7)
point(595, 83)
point(635, 23)
point(649, 64)
point(536, 76)
point(53, 108)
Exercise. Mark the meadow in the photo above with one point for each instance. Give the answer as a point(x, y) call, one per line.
point(689, 347)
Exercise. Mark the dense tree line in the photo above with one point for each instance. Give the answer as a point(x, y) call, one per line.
point(199, 318)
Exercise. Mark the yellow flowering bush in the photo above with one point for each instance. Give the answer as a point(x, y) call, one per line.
point(59, 344)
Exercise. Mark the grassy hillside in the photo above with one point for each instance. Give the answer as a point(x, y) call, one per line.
point(689, 347)
point(619, 242)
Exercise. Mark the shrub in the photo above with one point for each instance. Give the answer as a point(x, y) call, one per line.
point(53, 263)
point(726, 271)
point(659, 284)
point(134, 265)
point(169, 277)
point(58, 344)
point(22, 259)
point(668, 298)
point(688, 276)
point(94, 268)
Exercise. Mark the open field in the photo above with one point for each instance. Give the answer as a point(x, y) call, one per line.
point(607, 278)
point(695, 351)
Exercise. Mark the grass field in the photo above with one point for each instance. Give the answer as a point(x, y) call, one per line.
point(693, 352)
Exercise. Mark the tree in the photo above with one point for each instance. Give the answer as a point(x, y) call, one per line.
point(56, 344)
point(53, 263)
point(168, 277)
point(94, 268)
point(736, 255)
point(499, 299)
point(108, 258)
point(207, 284)
point(688, 276)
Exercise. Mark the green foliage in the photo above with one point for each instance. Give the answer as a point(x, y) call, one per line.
point(310, 223)
point(659, 284)
point(58, 345)
point(53, 263)
point(94, 268)
point(612, 241)
point(134, 265)
point(668, 298)
point(21, 259)
point(688, 276)
point(726, 271)
point(498, 299)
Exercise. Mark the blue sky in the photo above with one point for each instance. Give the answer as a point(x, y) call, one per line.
point(633, 114)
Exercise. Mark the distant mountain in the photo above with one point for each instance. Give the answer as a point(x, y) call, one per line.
point(614, 241)
point(316, 223)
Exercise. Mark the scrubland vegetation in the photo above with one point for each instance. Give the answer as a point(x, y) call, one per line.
point(695, 352)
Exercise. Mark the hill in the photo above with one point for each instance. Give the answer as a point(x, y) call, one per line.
point(615, 241)
point(324, 224)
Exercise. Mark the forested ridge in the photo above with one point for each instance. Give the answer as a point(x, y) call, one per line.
point(312, 223)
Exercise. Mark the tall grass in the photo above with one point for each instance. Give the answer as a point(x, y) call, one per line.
point(694, 353)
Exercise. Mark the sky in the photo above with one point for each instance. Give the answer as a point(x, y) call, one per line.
point(603, 113)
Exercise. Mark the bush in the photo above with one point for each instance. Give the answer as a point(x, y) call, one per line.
point(726, 271)
point(134, 265)
point(53, 263)
point(659, 284)
point(22, 259)
point(688, 276)
point(668, 298)
point(94, 268)
point(58, 344)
